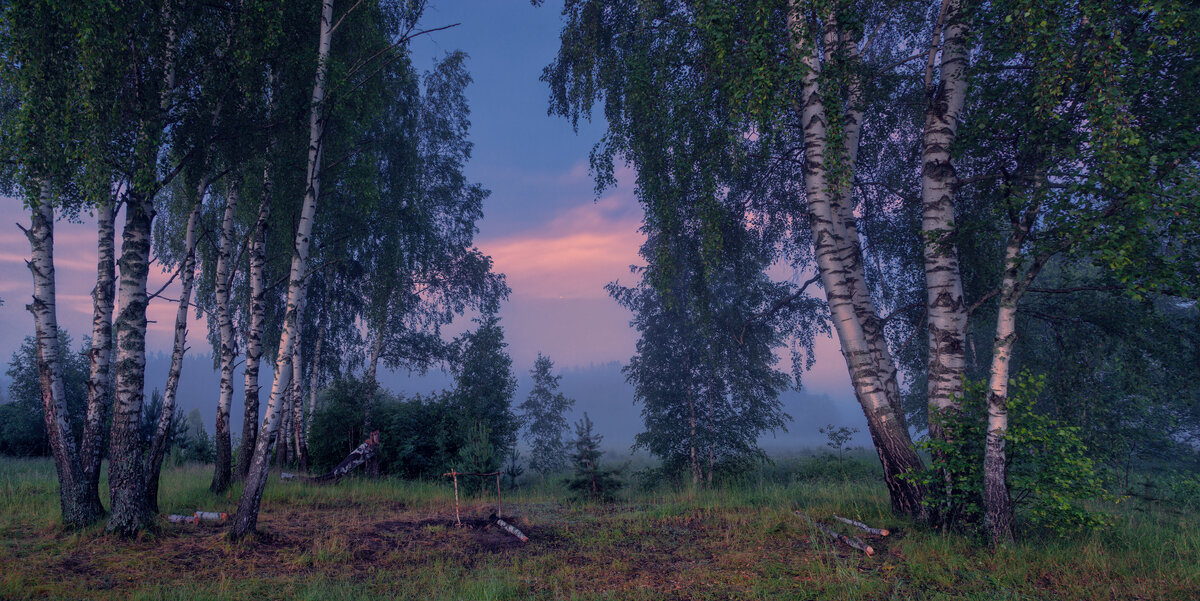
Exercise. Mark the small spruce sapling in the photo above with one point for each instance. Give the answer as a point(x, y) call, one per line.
point(589, 479)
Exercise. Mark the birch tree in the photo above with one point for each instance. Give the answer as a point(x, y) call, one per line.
point(1094, 171)
point(40, 60)
point(621, 54)
point(945, 306)
point(256, 477)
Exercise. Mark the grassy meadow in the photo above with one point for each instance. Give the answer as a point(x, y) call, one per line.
point(395, 539)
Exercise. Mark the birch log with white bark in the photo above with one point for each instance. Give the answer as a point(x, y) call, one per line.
point(871, 369)
point(74, 497)
point(946, 311)
point(247, 514)
point(99, 386)
point(162, 430)
point(223, 470)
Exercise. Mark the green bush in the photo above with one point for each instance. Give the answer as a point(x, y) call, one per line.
point(1050, 474)
point(419, 436)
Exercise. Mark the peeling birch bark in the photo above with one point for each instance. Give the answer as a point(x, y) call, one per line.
point(130, 511)
point(247, 514)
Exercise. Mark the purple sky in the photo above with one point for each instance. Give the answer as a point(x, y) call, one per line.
point(544, 228)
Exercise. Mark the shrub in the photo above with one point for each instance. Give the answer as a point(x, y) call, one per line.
point(1050, 474)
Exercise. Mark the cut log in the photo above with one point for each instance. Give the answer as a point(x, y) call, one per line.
point(287, 476)
point(354, 460)
point(212, 516)
point(182, 519)
point(848, 540)
point(507, 527)
point(862, 526)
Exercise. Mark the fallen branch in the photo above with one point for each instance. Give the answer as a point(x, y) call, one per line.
point(356, 458)
point(862, 526)
point(851, 541)
point(510, 529)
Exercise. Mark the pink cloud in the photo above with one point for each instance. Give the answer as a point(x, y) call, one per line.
point(576, 253)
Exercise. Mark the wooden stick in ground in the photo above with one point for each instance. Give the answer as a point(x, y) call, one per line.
point(510, 529)
point(862, 526)
point(852, 542)
point(457, 519)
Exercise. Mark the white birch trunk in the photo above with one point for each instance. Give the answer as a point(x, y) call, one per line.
point(946, 311)
point(997, 503)
point(74, 497)
point(247, 514)
point(129, 511)
point(99, 386)
point(314, 376)
point(223, 470)
point(299, 448)
point(162, 431)
point(257, 312)
point(873, 377)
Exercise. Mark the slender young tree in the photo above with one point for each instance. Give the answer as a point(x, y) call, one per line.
point(100, 354)
point(162, 432)
point(256, 478)
point(543, 416)
point(223, 468)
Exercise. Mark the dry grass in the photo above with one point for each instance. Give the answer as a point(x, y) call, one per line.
point(392, 539)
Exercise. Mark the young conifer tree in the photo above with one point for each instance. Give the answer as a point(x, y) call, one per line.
point(589, 479)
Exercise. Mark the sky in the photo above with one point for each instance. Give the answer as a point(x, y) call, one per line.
point(545, 228)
